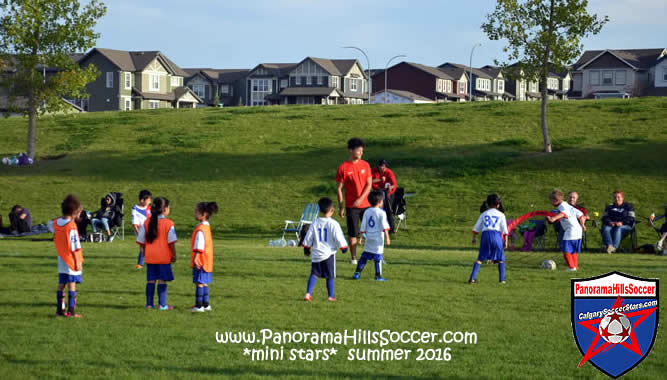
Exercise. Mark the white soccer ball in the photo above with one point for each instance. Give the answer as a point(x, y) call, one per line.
point(549, 264)
point(615, 327)
point(5, 160)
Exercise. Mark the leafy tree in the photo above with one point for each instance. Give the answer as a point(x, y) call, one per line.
point(40, 34)
point(543, 35)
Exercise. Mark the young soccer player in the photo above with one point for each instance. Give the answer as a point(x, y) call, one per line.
point(201, 258)
point(572, 222)
point(140, 212)
point(70, 255)
point(322, 240)
point(493, 226)
point(376, 229)
point(157, 236)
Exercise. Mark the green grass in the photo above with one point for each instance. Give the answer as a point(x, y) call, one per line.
point(262, 165)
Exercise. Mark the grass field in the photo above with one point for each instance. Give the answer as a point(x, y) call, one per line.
point(262, 165)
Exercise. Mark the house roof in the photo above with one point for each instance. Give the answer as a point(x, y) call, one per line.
point(466, 69)
point(493, 71)
point(178, 93)
point(339, 67)
point(136, 60)
point(436, 72)
point(310, 91)
point(275, 69)
point(405, 94)
point(637, 58)
point(454, 71)
point(217, 75)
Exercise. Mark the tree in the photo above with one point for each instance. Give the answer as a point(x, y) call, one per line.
point(543, 35)
point(40, 34)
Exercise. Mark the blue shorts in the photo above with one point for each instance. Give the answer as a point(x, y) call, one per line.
point(570, 246)
point(324, 269)
point(64, 278)
point(491, 247)
point(371, 256)
point(199, 276)
point(159, 272)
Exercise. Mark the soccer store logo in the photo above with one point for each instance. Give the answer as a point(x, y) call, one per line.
point(614, 320)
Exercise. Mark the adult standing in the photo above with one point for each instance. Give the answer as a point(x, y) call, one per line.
point(617, 221)
point(384, 180)
point(355, 176)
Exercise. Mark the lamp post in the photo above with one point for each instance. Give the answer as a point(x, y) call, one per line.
point(385, 75)
point(470, 78)
point(368, 68)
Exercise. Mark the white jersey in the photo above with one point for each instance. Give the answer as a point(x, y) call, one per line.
point(324, 237)
point(570, 222)
point(374, 224)
point(139, 215)
point(74, 245)
point(491, 220)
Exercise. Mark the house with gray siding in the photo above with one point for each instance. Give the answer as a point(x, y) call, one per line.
point(482, 82)
point(227, 84)
point(135, 80)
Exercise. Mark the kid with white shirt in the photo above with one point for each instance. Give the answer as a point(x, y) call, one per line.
point(322, 240)
point(140, 212)
point(572, 222)
point(376, 229)
point(493, 226)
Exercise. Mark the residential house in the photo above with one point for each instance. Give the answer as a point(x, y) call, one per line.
point(232, 86)
point(265, 82)
point(425, 81)
point(398, 97)
point(228, 84)
point(615, 73)
point(497, 83)
point(135, 80)
point(658, 74)
point(482, 82)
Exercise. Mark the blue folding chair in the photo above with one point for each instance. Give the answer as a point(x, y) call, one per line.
point(307, 217)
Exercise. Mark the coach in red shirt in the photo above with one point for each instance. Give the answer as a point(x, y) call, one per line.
point(385, 181)
point(355, 176)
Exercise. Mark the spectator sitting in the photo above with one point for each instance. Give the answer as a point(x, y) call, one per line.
point(20, 220)
point(617, 221)
point(105, 214)
point(385, 181)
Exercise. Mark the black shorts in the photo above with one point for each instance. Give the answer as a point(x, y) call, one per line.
point(663, 229)
point(324, 269)
point(354, 216)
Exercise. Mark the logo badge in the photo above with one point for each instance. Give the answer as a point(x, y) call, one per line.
point(614, 320)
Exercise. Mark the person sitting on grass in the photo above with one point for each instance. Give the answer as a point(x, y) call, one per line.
point(493, 226)
point(105, 214)
point(20, 220)
point(376, 228)
point(322, 240)
point(572, 222)
point(617, 221)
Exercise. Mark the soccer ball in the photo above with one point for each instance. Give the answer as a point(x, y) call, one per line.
point(615, 327)
point(5, 160)
point(549, 264)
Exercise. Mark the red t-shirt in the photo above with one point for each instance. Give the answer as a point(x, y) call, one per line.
point(354, 176)
point(583, 210)
point(389, 178)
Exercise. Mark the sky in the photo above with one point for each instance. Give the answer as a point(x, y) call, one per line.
point(241, 34)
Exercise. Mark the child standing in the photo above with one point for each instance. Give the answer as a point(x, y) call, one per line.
point(140, 212)
point(493, 226)
point(572, 222)
point(70, 255)
point(376, 229)
point(663, 231)
point(323, 238)
point(157, 236)
point(201, 258)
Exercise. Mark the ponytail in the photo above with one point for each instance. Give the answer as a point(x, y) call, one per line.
point(209, 208)
point(159, 204)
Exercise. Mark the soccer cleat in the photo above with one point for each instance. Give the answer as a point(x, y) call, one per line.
point(139, 266)
point(208, 308)
point(72, 315)
point(472, 281)
point(60, 314)
point(610, 249)
point(502, 282)
point(356, 276)
point(571, 269)
point(308, 297)
point(353, 262)
point(111, 238)
point(149, 307)
point(196, 309)
point(658, 246)
point(166, 308)
point(332, 299)
point(380, 279)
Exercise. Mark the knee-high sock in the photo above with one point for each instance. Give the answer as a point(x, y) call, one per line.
point(501, 270)
point(361, 264)
point(61, 300)
point(475, 270)
point(311, 284)
point(568, 260)
point(199, 296)
point(140, 259)
point(330, 287)
point(575, 260)
point(150, 293)
point(162, 294)
point(205, 296)
point(378, 268)
point(71, 298)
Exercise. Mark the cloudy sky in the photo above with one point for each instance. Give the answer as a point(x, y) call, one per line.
point(241, 34)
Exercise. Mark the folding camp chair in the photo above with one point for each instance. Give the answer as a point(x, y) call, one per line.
point(116, 225)
point(307, 217)
point(399, 208)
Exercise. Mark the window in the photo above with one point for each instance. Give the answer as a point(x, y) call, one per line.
point(607, 78)
point(308, 83)
point(315, 80)
point(664, 75)
point(199, 90)
point(154, 82)
point(353, 85)
point(303, 80)
point(595, 78)
point(283, 83)
point(128, 103)
point(298, 81)
point(322, 81)
point(153, 104)
point(620, 77)
point(224, 89)
point(334, 82)
point(110, 79)
point(501, 86)
point(128, 81)
point(566, 85)
point(463, 86)
point(260, 89)
point(175, 81)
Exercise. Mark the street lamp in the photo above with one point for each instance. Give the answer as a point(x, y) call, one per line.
point(368, 62)
point(470, 78)
point(385, 75)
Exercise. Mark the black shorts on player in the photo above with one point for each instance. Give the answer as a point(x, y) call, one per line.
point(354, 216)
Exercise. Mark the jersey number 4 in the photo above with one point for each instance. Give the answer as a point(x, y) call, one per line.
point(488, 222)
point(323, 234)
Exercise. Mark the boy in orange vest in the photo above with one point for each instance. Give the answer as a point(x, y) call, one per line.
point(70, 255)
point(201, 259)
